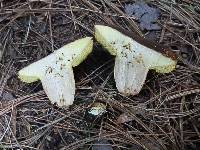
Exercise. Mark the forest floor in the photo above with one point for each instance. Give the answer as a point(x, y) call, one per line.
point(164, 115)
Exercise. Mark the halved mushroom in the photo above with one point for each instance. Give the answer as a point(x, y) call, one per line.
point(134, 57)
point(56, 73)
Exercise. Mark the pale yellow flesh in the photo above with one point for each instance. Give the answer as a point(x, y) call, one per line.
point(60, 86)
point(133, 60)
point(129, 76)
point(56, 73)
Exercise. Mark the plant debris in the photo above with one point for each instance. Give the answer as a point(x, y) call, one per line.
point(166, 112)
point(97, 109)
point(102, 144)
point(146, 15)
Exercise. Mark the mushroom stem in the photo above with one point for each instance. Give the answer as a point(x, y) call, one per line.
point(129, 76)
point(60, 86)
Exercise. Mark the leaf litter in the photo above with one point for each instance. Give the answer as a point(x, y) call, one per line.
point(146, 15)
point(170, 118)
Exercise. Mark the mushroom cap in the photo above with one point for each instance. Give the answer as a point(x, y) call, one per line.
point(152, 56)
point(71, 54)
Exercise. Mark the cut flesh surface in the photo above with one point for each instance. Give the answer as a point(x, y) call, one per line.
point(60, 86)
point(56, 73)
point(129, 76)
point(133, 60)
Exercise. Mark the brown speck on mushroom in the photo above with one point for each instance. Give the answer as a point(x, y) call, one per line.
point(49, 70)
point(60, 58)
point(58, 74)
point(62, 99)
point(112, 43)
point(62, 66)
point(127, 46)
point(139, 59)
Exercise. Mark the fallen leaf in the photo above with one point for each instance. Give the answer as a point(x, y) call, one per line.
point(146, 15)
point(7, 96)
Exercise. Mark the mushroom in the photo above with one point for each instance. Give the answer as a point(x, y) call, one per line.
point(135, 56)
point(56, 73)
